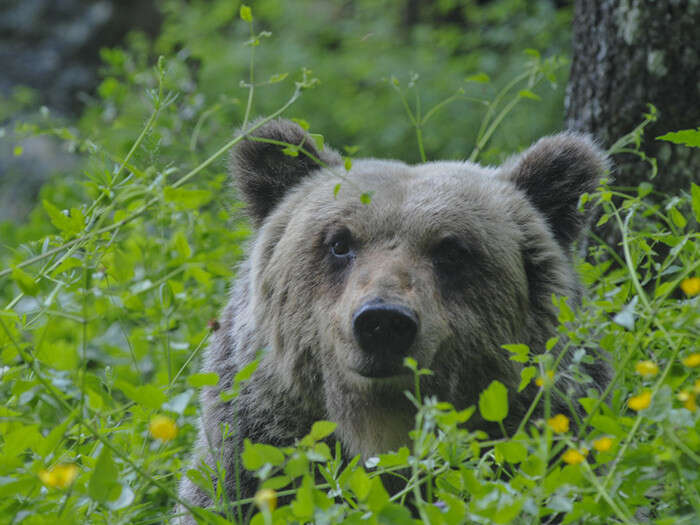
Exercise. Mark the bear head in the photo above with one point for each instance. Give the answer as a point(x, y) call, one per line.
point(445, 264)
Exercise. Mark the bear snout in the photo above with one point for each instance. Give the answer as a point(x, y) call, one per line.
point(384, 332)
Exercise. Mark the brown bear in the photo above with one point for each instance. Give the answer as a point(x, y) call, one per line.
point(445, 264)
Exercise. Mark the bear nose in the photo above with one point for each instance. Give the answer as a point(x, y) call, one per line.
point(384, 328)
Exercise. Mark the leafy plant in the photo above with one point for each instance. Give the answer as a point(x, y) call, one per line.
point(111, 289)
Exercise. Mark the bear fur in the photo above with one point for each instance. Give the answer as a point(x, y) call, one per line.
point(448, 262)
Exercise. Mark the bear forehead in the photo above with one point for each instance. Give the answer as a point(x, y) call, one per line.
point(420, 202)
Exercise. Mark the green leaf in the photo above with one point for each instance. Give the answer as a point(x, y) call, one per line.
point(203, 379)
point(51, 441)
point(276, 482)
point(103, 484)
point(395, 514)
point(318, 140)
point(256, 455)
point(245, 373)
point(187, 199)
point(688, 137)
point(695, 195)
point(566, 314)
point(393, 459)
point(512, 451)
point(19, 439)
point(336, 189)
point(366, 198)
point(67, 264)
point(526, 375)
point(606, 425)
point(378, 497)
point(360, 484)
point(493, 402)
point(181, 245)
point(526, 93)
point(68, 224)
point(533, 466)
point(644, 189)
point(58, 353)
point(519, 352)
point(677, 218)
point(279, 77)
point(25, 281)
point(149, 396)
point(304, 124)
point(303, 504)
point(118, 265)
point(246, 14)
point(347, 162)
point(321, 429)
point(481, 78)
point(507, 513)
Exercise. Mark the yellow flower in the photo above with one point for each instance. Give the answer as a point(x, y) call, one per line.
point(266, 499)
point(603, 444)
point(59, 476)
point(549, 375)
point(573, 457)
point(688, 400)
point(691, 286)
point(692, 360)
point(163, 428)
point(646, 368)
point(641, 401)
point(559, 423)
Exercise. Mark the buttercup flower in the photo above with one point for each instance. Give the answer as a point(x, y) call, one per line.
point(266, 499)
point(692, 361)
point(688, 400)
point(559, 423)
point(573, 457)
point(603, 444)
point(646, 368)
point(549, 375)
point(641, 401)
point(59, 476)
point(163, 428)
point(691, 286)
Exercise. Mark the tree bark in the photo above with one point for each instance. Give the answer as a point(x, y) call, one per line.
point(627, 54)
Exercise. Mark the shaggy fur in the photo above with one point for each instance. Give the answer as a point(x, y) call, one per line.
point(476, 253)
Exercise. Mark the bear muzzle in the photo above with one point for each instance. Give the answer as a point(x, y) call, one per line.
point(384, 332)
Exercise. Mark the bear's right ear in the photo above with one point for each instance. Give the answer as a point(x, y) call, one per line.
point(554, 173)
point(264, 174)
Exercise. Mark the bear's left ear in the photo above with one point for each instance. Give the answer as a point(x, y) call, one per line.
point(554, 173)
point(264, 173)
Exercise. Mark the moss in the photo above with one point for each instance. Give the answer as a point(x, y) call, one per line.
point(628, 18)
point(656, 63)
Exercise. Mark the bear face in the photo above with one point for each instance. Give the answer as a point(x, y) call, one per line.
point(446, 263)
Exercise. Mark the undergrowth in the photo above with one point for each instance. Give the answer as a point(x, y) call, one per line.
point(110, 295)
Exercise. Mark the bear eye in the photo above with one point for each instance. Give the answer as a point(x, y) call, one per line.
point(340, 245)
point(340, 248)
point(450, 253)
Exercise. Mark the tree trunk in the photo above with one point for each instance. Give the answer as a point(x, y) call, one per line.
point(626, 54)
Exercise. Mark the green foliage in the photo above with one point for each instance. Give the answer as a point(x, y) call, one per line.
point(112, 287)
point(688, 137)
